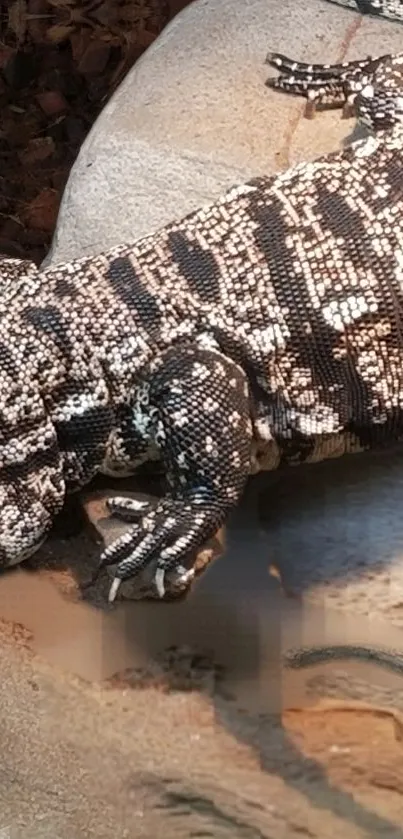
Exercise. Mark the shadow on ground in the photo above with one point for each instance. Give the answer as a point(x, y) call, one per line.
point(317, 524)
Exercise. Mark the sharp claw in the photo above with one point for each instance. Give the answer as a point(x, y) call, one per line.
point(138, 505)
point(114, 589)
point(134, 504)
point(186, 574)
point(159, 581)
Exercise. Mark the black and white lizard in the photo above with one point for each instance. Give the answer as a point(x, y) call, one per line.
point(243, 336)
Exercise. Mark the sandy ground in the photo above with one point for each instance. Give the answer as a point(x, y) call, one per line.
point(165, 720)
point(126, 761)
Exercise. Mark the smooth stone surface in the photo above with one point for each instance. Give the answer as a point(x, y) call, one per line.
point(193, 116)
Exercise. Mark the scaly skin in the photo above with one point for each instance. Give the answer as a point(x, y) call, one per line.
point(269, 321)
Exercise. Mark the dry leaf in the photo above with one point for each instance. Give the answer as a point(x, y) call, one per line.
point(5, 55)
point(94, 58)
point(41, 213)
point(79, 43)
point(38, 20)
point(58, 33)
point(52, 102)
point(17, 19)
point(40, 148)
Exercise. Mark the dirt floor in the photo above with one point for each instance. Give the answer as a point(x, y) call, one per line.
point(93, 742)
point(109, 726)
point(130, 760)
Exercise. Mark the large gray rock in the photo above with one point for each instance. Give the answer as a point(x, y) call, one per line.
point(193, 116)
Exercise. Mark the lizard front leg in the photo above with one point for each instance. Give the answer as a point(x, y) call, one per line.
point(200, 404)
point(371, 88)
point(32, 489)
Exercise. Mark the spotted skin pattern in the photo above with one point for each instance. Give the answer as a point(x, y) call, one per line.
point(11, 269)
point(265, 329)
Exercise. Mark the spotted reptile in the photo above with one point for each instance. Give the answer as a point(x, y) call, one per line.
point(263, 330)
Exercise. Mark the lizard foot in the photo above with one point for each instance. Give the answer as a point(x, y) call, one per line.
point(166, 534)
point(336, 85)
point(201, 407)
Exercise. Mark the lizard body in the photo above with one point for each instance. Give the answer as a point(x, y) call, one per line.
point(240, 337)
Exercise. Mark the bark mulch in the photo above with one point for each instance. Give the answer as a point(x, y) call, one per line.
point(60, 61)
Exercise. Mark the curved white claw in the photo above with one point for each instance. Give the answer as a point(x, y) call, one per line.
point(186, 574)
point(114, 589)
point(159, 581)
point(123, 501)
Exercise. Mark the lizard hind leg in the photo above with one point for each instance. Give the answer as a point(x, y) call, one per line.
point(201, 407)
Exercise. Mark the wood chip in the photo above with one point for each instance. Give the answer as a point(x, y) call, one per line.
point(41, 213)
point(52, 102)
point(40, 148)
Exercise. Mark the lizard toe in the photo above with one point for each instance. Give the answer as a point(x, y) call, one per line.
point(168, 536)
point(127, 509)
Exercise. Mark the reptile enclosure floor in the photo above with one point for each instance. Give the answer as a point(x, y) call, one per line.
point(163, 721)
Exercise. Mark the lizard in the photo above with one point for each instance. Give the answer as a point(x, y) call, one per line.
point(268, 320)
